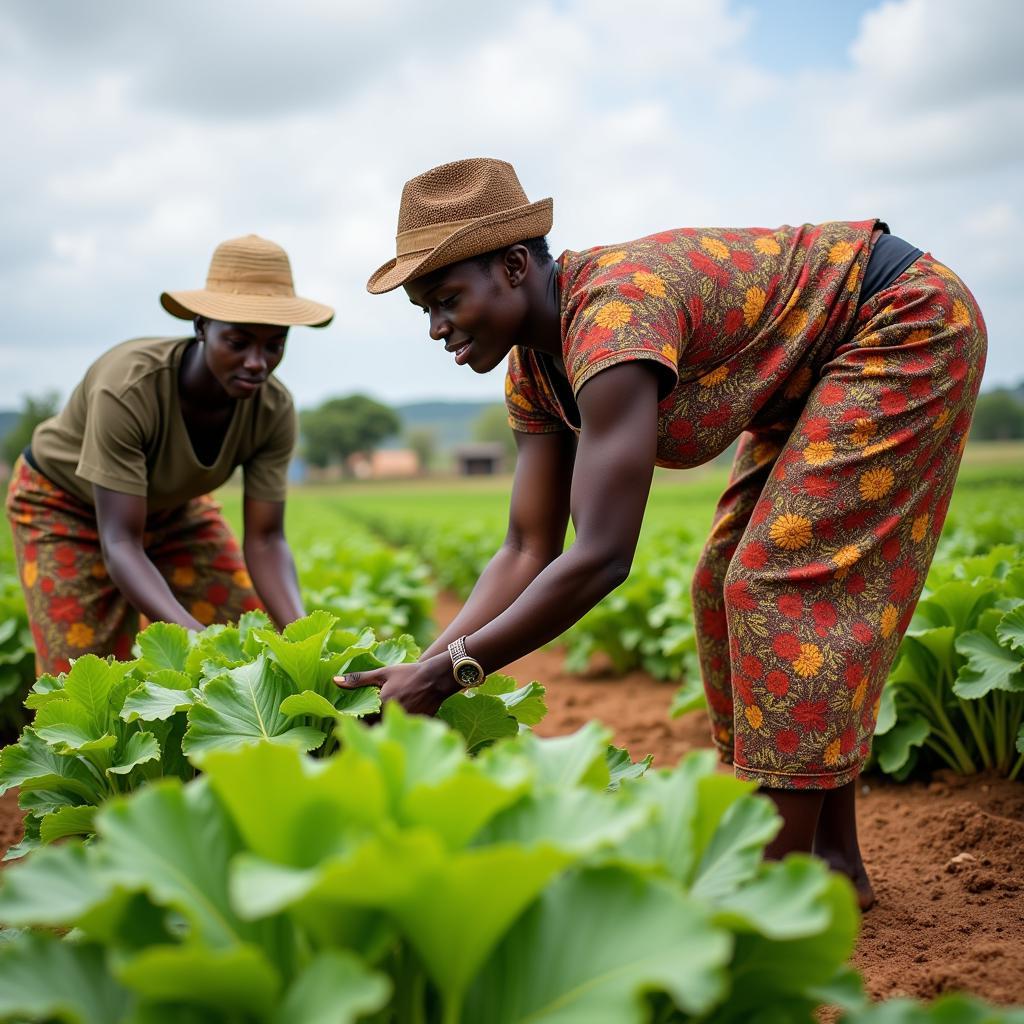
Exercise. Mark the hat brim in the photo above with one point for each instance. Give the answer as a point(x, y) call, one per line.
point(491, 232)
point(279, 310)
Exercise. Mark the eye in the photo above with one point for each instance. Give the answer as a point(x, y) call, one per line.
point(447, 303)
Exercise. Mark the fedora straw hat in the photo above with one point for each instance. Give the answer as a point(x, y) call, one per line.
point(249, 282)
point(456, 211)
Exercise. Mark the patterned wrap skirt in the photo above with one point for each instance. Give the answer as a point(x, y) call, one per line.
point(75, 609)
point(822, 540)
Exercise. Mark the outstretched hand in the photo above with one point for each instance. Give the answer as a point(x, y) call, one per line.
point(420, 687)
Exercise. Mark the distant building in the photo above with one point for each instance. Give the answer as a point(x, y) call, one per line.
point(480, 459)
point(385, 464)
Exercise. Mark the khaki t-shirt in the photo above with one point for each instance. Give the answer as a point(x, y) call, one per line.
point(122, 428)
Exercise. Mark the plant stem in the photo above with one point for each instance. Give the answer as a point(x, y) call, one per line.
point(977, 732)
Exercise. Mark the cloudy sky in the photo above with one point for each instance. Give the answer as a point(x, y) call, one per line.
point(137, 136)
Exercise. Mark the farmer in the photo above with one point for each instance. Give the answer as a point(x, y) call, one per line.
point(846, 362)
point(110, 503)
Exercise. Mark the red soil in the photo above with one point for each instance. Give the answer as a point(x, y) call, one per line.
point(945, 857)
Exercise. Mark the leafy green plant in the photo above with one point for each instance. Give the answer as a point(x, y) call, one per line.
point(955, 697)
point(108, 727)
point(401, 880)
point(17, 658)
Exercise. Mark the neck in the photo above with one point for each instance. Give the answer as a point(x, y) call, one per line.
point(196, 385)
point(542, 329)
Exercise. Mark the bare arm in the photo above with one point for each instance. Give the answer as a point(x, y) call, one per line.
point(269, 560)
point(121, 523)
point(538, 515)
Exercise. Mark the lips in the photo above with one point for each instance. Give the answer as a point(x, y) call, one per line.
point(461, 350)
point(248, 384)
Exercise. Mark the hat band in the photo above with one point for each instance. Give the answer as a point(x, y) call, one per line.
point(232, 286)
point(430, 237)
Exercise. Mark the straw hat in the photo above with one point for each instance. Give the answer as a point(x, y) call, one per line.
point(456, 211)
point(249, 282)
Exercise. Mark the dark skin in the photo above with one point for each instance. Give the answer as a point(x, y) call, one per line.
point(531, 590)
point(228, 364)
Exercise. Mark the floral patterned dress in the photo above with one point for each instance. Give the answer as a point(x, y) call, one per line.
point(851, 417)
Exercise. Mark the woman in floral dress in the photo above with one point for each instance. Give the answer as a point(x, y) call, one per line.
point(109, 505)
point(847, 368)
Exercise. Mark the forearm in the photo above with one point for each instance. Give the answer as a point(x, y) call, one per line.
point(142, 585)
point(506, 576)
point(556, 599)
point(272, 568)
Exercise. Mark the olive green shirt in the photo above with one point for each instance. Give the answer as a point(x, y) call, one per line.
point(123, 429)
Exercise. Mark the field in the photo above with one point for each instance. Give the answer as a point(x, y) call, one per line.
point(941, 815)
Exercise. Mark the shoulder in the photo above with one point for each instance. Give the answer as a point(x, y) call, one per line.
point(134, 363)
point(276, 400)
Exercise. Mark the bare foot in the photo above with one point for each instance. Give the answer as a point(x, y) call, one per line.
point(855, 872)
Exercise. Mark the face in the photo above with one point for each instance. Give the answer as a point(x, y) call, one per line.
point(476, 312)
point(241, 356)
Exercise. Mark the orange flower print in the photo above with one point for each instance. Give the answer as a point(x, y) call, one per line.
point(609, 259)
point(791, 531)
point(917, 337)
point(863, 431)
point(754, 302)
point(859, 694)
point(874, 366)
point(818, 452)
point(754, 716)
point(944, 271)
point(853, 278)
point(794, 323)
point(614, 314)
point(920, 527)
point(241, 578)
point(941, 420)
point(650, 283)
point(714, 248)
point(767, 245)
point(870, 340)
point(799, 383)
point(30, 573)
point(890, 617)
point(80, 635)
point(841, 252)
point(203, 611)
point(832, 753)
point(98, 571)
point(846, 556)
point(809, 661)
point(961, 317)
point(716, 376)
point(183, 576)
point(876, 483)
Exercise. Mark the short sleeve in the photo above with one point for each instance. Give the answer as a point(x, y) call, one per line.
point(530, 409)
point(623, 313)
point(113, 446)
point(266, 470)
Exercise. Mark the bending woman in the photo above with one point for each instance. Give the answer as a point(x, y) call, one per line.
point(110, 503)
point(847, 363)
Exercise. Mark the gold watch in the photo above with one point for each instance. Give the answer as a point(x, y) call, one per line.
point(468, 672)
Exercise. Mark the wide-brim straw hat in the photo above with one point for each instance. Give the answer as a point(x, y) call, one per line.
point(250, 282)
point(456, 211)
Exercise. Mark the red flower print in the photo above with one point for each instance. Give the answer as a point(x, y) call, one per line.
point(816, 428)
point(777, 683)
point(64, 554)
point(225, 562)
point(738, 596)
point(705, 579)
point(903, 582)
point(892, 403)
point(762, 510)
point(217, 594)
point(741, 260)
point(680, 429)
point(855, 413)
point(786, 645)
point(720, 702)
point(825, 617)
point(754, 555)
point(819, 486)
point(847, 740)
point(46, 584)
point(855, 583)
point(744, 687)
point(65, 609)
point(810, 714)
point(630, 291)
point(717, 417)
point(957, 368)
point(786, 741)
point(920, 388)
point(752, 666)
point(862, 633)
point(830, 394)
point(733, 321)
point(853, 674)
point(708, 266)
point(251, 604)
point(891, 549)
point(31, 552)
point(772, 361)
point(713, 623)
point(696, 305)
point(791, 605)
point(67, 572)
point(182, 559)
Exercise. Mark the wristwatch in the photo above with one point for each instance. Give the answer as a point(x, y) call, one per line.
point(467, 671)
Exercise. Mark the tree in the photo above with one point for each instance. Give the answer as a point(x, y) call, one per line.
point(492, 425)
point(341, 427)
point(33, 412)
point(423, 441)
point(998, 416)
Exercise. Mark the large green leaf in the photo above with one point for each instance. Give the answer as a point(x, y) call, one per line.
point(32, 764)
point(579, 759)
point(989, 666)
point(364, 701)
point(895, 746)
point(56, 886)
point(614, 937)
point(299, 649)
point(244, 706)
point(335, 988)
point(42, 978)
point(163, 645)
point(140, 748)
point(1010, 630)
point(99, 688)
point(67, 821)
point(525, 703)
point(480, 717)
point(152, 702)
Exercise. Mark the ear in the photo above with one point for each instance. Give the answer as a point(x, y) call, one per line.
point(516, 262)
point(199, 324)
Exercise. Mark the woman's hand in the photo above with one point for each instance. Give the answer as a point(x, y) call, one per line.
point(420, 687)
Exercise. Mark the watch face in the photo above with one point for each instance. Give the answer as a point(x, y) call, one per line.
point(468, 674)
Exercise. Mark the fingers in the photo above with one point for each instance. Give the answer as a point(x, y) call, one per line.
point(356, 680)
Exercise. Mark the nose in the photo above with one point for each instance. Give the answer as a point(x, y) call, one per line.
point(255, 363)
point(439, 327)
